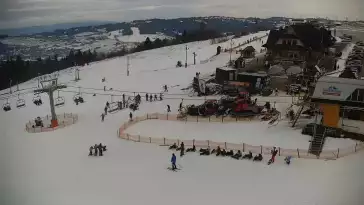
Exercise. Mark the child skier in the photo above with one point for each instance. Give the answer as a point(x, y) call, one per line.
point(173, 161)
point(288, 160)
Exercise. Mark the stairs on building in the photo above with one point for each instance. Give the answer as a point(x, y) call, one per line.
point(317, 142)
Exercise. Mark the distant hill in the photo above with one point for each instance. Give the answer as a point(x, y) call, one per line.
point(48, 28)
point(153, 26)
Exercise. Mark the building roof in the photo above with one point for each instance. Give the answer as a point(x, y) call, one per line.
point(226, 69)
point(338, 90)
point(311, 36)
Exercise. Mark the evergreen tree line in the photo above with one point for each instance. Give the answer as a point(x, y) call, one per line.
point(19, 70)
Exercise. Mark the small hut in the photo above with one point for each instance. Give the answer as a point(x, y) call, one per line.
point(248, 52)
point(225, 74)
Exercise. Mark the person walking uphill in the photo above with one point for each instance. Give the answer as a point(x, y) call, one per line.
point(173, 161)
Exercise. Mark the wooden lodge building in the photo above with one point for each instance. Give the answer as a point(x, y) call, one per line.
point(298, 43)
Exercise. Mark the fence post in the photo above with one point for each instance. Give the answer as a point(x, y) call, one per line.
point(222, 118)
point(178, 142)
point(261, 149)
point(279, 151)
point(298, 152)
point(208, 143)
point(127, 135)
point(147, 116)
point(236, 117)
point(225, 146)
point(138, 138)
point(209, 118)
point(164, 141)
point(193, 142)
point(356, 144)
point(197, 118)
point(150, 139)
point(338, 151)
point(243, 147)
point(167, 115)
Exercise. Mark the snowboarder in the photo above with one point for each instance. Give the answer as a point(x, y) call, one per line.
point(105, 110)
point(173, 161)
point(131, 116)
point(155, 97)
point(146, 97)
point(96, 149)
point(182, 149)
point(102, 117)
point(151, 98)
point(90, 154)
point(288, 160)
point(168, 108)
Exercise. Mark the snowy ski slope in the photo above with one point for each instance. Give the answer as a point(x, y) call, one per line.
point(53, 167)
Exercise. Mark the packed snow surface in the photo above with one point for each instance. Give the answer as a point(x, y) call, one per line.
point(53, 167)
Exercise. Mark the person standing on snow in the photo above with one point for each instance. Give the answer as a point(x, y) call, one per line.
point(102, 117)
point(182, 149)
point(100, 149)
point(131, 116)
point(168, 108)
point(96, 149)
point(90, 154)
point(105, 110)
point(173, 161)
point(180, 105)
point(155, 97)
point(151, 98)
point(274, 153)
point(146, 97)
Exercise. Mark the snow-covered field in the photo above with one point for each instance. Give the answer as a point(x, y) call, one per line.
point(136, 37)
point(53, 167)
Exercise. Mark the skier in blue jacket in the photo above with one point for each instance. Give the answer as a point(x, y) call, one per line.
point(173, 161)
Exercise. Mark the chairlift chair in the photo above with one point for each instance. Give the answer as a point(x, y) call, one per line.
point(78, 98)
point(59, 101)
point(37, 100)
point(6, 106)
point(20, 103)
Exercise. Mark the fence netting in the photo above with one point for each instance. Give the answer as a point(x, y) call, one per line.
point(256, 149)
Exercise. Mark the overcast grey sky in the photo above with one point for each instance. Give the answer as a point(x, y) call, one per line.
point(20, 13)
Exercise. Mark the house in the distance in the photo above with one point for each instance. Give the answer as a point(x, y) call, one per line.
point(298, 43)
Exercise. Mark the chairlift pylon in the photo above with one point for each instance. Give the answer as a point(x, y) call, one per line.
point(20, 103)
point(59, 101)
point(6, 106)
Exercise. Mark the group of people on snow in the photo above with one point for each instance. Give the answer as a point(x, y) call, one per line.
point(152, 97)
point(222, 152)
point(97, 150)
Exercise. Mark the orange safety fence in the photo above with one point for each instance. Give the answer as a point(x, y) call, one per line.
point(256, 149)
